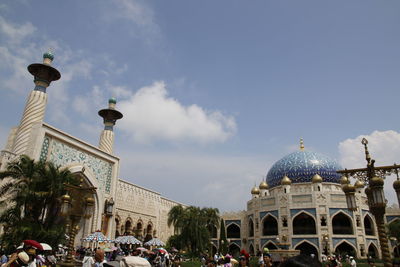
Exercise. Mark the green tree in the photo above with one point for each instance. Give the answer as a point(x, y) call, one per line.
point(223, 242)
point(30, 194)
point(191, 225)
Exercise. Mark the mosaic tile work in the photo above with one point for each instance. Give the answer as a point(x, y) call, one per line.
point(301, 166)
point(62, 154)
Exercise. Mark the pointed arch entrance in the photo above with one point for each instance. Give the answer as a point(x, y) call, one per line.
point(345, 248)
point(251, 249)
point(369, 225)
point(251, 228)
point(234, 250)
point(270, 245)
point(304, 224)
point(233, 231)
point(342, 224)
point(270, 225)
point(307, 248)
point(372, 251)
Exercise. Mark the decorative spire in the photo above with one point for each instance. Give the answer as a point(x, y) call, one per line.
point(301, 144)
point(48, 57)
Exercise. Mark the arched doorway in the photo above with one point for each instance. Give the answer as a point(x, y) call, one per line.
point(304, 224)
point(117, 226)
point(149, 231)
point(251, 228)
point(342, 224)
point(372, 251)
point(212, 229)
point(139, 230)
point(213, 250)
point(345, 248)
point(128, 227)
point(307, 249)
point(368, 225)
point(233, 231)
point(270, 226)
point(271, 246)
point(251, 249)
point(234, 250)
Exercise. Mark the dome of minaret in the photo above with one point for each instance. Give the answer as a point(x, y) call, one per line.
point(263, 185)
point(255, 190)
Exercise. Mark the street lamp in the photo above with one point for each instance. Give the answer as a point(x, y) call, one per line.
point(109, 207)
point(76, 204)
point(325, 243)
point(373, 177)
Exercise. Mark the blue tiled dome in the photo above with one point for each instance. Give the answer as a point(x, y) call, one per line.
point(301, 166)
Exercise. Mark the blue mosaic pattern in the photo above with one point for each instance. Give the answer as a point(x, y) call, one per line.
point(336, 241)
point(264, 241)
point(390, 218)
point(334, 210)
point(296, 241)
point(228, 222)
point(301, 166)
point(294, 212)
point(62, 154)
point(275, 213)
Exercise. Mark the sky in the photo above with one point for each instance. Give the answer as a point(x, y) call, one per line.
point(212, 92)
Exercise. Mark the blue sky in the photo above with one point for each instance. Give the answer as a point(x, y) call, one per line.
point(213, 92)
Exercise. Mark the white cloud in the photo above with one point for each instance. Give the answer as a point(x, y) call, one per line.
point(203, 180)
point(133, 10)
point(384, 147)
point(15, 33)
point(151, 114)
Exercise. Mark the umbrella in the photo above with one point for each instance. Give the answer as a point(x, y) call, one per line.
point(96, 237)
point(141, 248)
point(127, 239)
point(46, 246)
point(154, 242)
point(134, 261)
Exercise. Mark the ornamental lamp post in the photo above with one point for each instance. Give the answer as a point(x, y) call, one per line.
point(76, 204)
point(373, 177)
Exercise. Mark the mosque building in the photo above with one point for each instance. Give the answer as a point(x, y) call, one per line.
point(301, 205)
point(120, 206)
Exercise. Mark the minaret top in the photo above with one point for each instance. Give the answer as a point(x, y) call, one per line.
point(48, 57)
point(301, 144)
point(112, 102)
point(110, 115)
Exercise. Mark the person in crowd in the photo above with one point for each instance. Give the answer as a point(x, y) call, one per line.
point(352, 262)
point(88, 260)
point(220, 262)
point(301, 260)
point(267, 261)
point(243, 261)
point(99, 258)
point(17, 260)
point(227, 261)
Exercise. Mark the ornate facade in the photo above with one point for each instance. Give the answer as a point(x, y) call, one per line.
point(301, 205)
point(137, 210)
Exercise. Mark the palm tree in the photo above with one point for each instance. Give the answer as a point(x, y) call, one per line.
point(192, 226)
point(30, 193)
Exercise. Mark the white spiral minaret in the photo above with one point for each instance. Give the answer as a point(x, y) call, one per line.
point(35, 106)
point(110, 117)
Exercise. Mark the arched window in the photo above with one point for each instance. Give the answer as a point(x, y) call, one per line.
point(234, 250)
point(251, 228)
point(271, 245)
point(116, 227)
point(270, 226)
point(341, 224)
point(139, 230)
point(233, 231)
point(212, 229)
point(368, 225)
point(345, 249)
point(307, 249)
point(372, 251)
point(128, 227)
point(304, 224)
point(149, 231)
point(251, 249)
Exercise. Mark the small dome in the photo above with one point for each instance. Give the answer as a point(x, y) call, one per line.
point(255, 190)
point(396, 184)
point(317, 179)
point(263, 185)
point(48, 55)
point(344, 180)
point(376, 181)
point(112, 100)
point(286, 181)
point(359, 184)
point(348, 188)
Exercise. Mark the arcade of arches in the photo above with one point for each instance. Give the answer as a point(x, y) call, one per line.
point(140, 232)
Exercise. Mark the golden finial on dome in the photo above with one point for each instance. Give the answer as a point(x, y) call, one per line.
point(301, 144)
point(359, 184)
point(317, 178)
point(255, 190)
point(263, 185)
point(286, 181)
